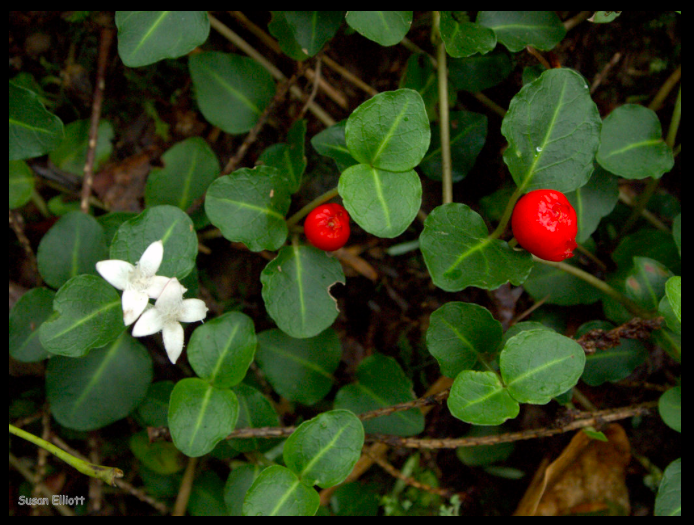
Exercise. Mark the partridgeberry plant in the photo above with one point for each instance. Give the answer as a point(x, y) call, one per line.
point(486, 174)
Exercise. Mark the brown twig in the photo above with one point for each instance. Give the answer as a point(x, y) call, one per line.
point(17, 225)
point(603, 73)
point(186, 486)
point(636, 328)
point(102, 60)
point(314, 91)
point(534, 52)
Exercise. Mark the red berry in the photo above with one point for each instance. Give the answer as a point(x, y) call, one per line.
point(327, 227)
point(544, 223)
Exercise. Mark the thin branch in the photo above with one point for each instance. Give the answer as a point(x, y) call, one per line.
point(186, 486)
point(444, 126)
point(635, 329)
point(17, 225)
point(314, 91)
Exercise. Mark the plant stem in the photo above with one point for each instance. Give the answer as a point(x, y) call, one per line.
point(675, 120)
point(106, 474)
point(294, 219)
point(444, 125)
point(501, 228)
point(600, 285)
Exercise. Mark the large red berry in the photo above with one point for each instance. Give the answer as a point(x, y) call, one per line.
point(544, 223)
point(327, 227)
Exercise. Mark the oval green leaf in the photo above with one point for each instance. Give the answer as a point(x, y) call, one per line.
point(299, 369)
point(200, 416)
point(459, 334)
point(464, 38)
point(239, 481)
point(296, 290)
point(249, 206)
point(673, 290)
point(289, 158)
point(101, 388)
point(368, 192)
point(668, 501)
point(26, 316)
point(232, 91)
point(331, 143)
point(645, 282)
point(517, 29)
point(21, 183)
point(670, 408)
point(537, 365)
point(594, 201)
point(33, 130)
point(555, 286)
point(458, 252)
point(278, 492)
point(553, 131)
point(312, 29)
point(71, 153)
point(632, 145)
point(389, 131)
point(479, 398)
point(386, 28)
point(324, 450)
point(255, 411)
point(145, 37)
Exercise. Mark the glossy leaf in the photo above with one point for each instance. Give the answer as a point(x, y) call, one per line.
point(101, 388)
point(481, 399)
point(71, 154)
point(33, 130)
point(312, 29)
point(386, 28)
point(299, 369)
point(145, 37)
point(289, 158)
point(380, 383)
point(464, 38)
point(458, 252)
point(670, 408)
point(88, 316)
point(296, 290)
point(255, 411)
point(26, 316)
point(71, 247)
point(231, 90)
point(645, 282)
point(277, 491)
point(538, 365)
point(239, 481)
point(221, 350)
point(280, 29)
point(553, 130)
point(21, 183)
point(331, 143)
point(594, 201)
point(200, 416)
point(459, 334)
point(555, 286)
point(324, 450)
point(249, 206)
point(632, 145)
point(673, 289)
point(390, 131)
point(367, 194)
point(603, 17)
point(668, 501)
point(189, 168)
point(517, 29)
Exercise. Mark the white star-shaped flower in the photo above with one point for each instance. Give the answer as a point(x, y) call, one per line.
point(169, 311)
point(139, 282)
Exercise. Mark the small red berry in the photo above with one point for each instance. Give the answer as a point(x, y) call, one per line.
point(327, 227)
point(544, 223)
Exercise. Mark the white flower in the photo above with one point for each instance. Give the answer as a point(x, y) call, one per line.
point(169, 311)
point(138, 282)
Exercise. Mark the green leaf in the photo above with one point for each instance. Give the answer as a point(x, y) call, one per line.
point(26, 316)
point(481, 399)
point(21, 183)
point(161, 457)
point(670, 408)
point(355, 499)
point(290, 158)
point(324, 450)
point(249, 206)
point(207, 496)
point(553, 130)
point(33, 130)
point(517, 29)
point(296, 290)
point(368, 192)
point(221, 350)
point(279, 28)
point(168, 223)
point(632, 145)
point(382, 383)
point(668, 501)
point(464, 38)
point(71, 247)
point(331, 143)
point(189, 168)
point(299, 369)
point(480, 72)
point(145, 37)
point(200, 416)
point(603, 17)
point(458, 252)
point(312, 29)
point(645, 282)
point(278, 492)
point(677, 232)
point(555, 286)
point(648, 242)
point(673, 290)
point(255, 411)
point(232, 91)
point(538, 365)
point(154, 409)
point(71, 153)
point(239, 481)
point(101, 388)
point(386, 28)
point(671, 320)
point(389, 131)
point(88, 316)
point(460, 334)
point(468, 135)
point(594, 201)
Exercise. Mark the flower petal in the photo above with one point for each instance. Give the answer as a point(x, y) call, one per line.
point(134, 303)
point(149, 323)
point(171, 296)
point(151, 259)
point(173, 340)
point(116, 272)
point(156, 285)
point(192, 310)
